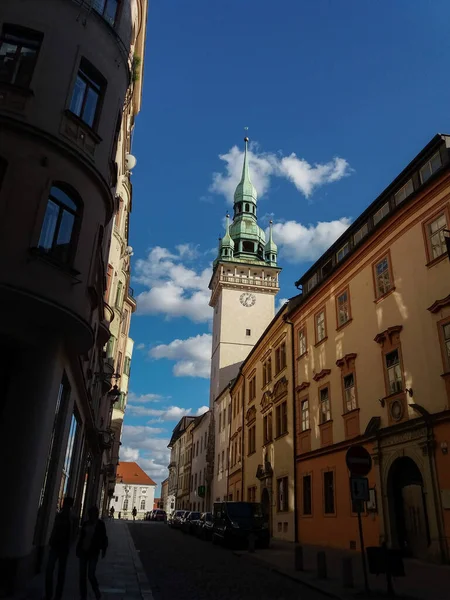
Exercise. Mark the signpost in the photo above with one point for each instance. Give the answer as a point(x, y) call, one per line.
point(359, 463)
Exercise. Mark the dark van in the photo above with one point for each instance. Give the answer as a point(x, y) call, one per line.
point(236, 521)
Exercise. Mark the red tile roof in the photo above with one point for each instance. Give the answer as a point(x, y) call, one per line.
point(131, 472)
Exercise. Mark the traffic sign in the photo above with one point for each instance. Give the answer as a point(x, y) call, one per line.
point(358, 461)
point(359, 487)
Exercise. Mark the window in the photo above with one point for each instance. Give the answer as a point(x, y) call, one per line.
point(267, 371)
point(349, 393)
point(58, 230)
point(307, 495)
point(360, 234)
point(327, 268)
point(267, 424)
point(435, 236)
point(381, 213)
point(119, 362)
point(404, 192)
point(196, 451)
point(383, 279)
point(445, 329)
point(394, 372)
point(124, 322)
point(320, 326)
point(311, 282)
point(125, 504)
point(251, 494)
point(19, 48)
point(87, 93)
point(248, 332)
point(252, 439)
point(305, 414)
point(302, 341)
point(343, 251)
point(430, 167)
point(343, 308)
point(252, 389)
point(325, 413)
point(223, 460)
point(281, 417)
point(107, 9)
point(282, 494)
point(328, 492)
point(119, 295)
point(280, 357)
point(143, 504)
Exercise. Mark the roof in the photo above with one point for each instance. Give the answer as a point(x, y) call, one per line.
point(180, 428)
point(131, 473)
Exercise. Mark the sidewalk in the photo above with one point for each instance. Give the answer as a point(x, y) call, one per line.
point(423, 581)
point(120, 573)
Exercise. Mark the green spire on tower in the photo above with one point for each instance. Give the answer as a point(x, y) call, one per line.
point(245, 191)
point(271, 249)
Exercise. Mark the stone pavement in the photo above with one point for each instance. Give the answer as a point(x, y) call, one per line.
point(423, 581)
point(120, 573)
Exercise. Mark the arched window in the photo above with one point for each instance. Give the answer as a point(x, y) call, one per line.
point(143, 504)
point(247, 208)
point(248, 247)
point(125, 504)
point(60, 225)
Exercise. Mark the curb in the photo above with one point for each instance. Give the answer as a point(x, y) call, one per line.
point(144, 585)
point(307, 584)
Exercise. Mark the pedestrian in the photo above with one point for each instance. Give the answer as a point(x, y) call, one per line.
point(134, 513)
point(59, 543)
point(111, 512)
point(92, 541)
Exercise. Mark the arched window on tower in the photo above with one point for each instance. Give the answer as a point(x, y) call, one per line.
point(247, 208)
point(248, 246)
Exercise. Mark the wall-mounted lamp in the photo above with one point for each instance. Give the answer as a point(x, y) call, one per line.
point(444, 447)
point(382, 402)
point(410, 392)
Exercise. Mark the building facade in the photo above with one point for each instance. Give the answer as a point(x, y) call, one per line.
point(67, 70)
point(200, 432)
point(221, 457)
point(165, 496)
point(372, 341)
point(180, 464)
point(134, 488)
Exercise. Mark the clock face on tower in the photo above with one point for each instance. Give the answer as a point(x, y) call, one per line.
point(247, 299)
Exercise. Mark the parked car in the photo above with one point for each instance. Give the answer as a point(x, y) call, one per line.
point(190, 522)
point(176, 519)
point(159, 515)
point(205, 526)
point(234, 522)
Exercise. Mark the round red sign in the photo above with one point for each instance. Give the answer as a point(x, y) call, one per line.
point(359, 461)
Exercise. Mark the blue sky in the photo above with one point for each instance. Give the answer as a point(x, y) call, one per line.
point(338, 98)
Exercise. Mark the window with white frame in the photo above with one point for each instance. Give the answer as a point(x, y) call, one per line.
point(343, 308)
point(325, 412)
point(394, 372)
point(320, 326)
point(360, 234)
point(404, 192)
point(430, 167)
point(343, 251)
point(381, 213)
point(302, 341)
point(349, 392)
point(383, 282)
point(305, 414)
point(436, 237)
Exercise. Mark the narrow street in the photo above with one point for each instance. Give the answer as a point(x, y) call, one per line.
point(182, 567)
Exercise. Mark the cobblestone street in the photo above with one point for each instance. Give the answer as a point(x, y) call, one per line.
point(182, 567)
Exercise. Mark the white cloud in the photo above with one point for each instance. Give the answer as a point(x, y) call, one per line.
point(192, 356)
point(299, 243)
point(305, 176)
point(151, 453)
point(175, 290)
point(143, 398)
point(140, 346)
point(128, 454)
point(281, 302)
point(170, 413)
point(201, 410)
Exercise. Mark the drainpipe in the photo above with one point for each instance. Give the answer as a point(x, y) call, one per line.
point(294, 421)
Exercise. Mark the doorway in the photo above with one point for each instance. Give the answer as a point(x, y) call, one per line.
point(407, 508)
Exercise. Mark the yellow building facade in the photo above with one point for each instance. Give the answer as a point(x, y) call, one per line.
point(372, 366)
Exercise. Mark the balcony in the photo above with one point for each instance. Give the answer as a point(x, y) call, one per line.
point(249, 281)
point(103, 330)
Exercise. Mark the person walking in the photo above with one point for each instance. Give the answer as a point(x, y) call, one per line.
point(134, 513)
point(111, 512)
point(93, 540)
point(59, 543)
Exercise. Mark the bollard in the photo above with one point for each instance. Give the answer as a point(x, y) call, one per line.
point(298, 558)
point(321, 565)
point(251, 543)
point(347, 572)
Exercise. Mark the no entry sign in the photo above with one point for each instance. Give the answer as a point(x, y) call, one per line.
point(358, 461)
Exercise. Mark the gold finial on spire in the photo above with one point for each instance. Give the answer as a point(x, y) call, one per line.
point(246, 140)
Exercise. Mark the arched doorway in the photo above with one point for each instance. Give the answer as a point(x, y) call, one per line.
point(265, 501)
point(407, 508)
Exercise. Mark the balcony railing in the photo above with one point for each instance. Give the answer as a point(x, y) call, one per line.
point(249, 280)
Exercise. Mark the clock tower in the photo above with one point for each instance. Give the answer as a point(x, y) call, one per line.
point(243, 286)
